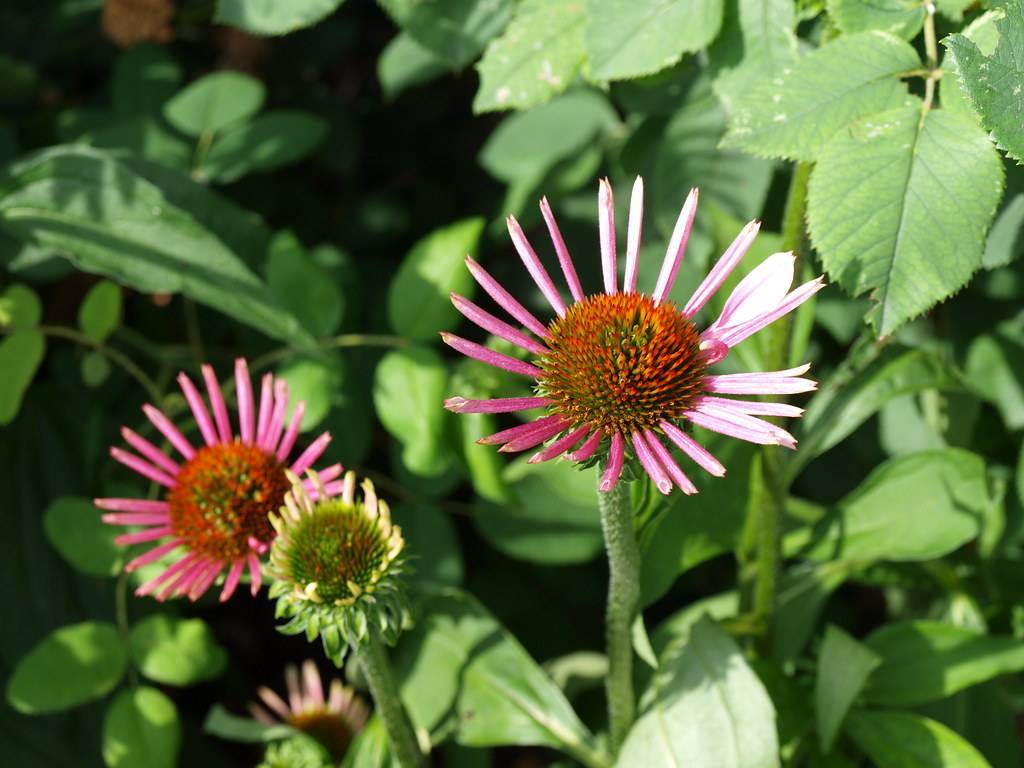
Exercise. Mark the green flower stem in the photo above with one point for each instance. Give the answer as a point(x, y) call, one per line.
point(623, 600)
point(374, 660)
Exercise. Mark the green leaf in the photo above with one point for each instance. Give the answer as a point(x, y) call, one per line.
point(983, 32)
point(215, 101)
point(73, 665)
point(316, 382)
point(899, 205)
point(900, 17)
point(459, 656)
point(370, 747)
point(100, 313)
point(176, 651)
point(222, 723)
point(20, 307)
point(20, 355)
point(994, 367)
point(993, 83)
point(143, 78)
point(267, 142)
point(905, 740)
point(404, 63)
point(910, 508)
point(432, 541)
point(843, 668)
point(271, 17)
point(707, 709)
point(1006, 238)
point(794, 114)
point(803, 591)
point(409, 387)
point(116, 223)
point(141, 730)
point(549, 516)
point(924, 661)
point(302, 286)
point(419, 303)
point(454, 30)
point(527, 145)
point(95, 369)
point(537, 57)
point(75, 529)
point(851, 397)
point(630, 38)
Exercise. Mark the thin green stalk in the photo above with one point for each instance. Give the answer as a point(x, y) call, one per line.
point(623, 601)
point(123, 627)
point(401, 737)
point(343, 341)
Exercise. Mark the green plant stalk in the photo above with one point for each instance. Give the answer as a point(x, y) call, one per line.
point(623, 600)
point(374, 660)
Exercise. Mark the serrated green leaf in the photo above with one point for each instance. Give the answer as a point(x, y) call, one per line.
point(707, 709)
point(73, 665)
point(454, 30)
point(100, 313)
point(267, 142)
point(272, 17)
point(404, 63)
point(537, 56)
point(631, 38)
point(925, 661)
point(794, 114)
point(905, 740)
point(843, 668)
point(526, 145)
point(176, 651)
point(409, 386)
point(75, 529)
point(141, 730)
point(111, 221)
point(995, 84)
point(20, 355)
point(899, 205)
point(419, 303)
point(215, 101)
point(903, 18)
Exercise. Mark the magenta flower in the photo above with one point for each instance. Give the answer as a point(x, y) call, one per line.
point(617, 371)
point(218, 500)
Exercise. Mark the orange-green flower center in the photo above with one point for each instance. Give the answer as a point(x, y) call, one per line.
point(620, 363)
point(331, 729)
point(224, 496)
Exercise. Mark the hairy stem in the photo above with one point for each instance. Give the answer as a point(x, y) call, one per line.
point(401, 737)
point(623, 599)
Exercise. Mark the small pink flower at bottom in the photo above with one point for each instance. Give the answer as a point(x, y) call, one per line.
point(333, 717)
point(219, 496)
point(618, 371)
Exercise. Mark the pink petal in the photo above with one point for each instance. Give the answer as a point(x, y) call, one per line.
point(616, 456)
point(489, 356)
point(534, 267)
point(273, 435)
point(243, 391)
point(762, 383)
point(291, 680)
point(505, 299)
point(314, 688)
point(292, 433)
point(143, 467)
point(749, 428)
point(564, 259)
point(606, 226)
point(734, 334)
point(760, 291)
point(195, 402)
point(513, 433)
point(634, 234)
point(494, 405)
point(588, 448)
point(755, 407)
point(533, 438)
point(266, 405)
point(168, 430)
point(231, 582)
point(275, 702)
point(135, 518)
point(650, 464)
point(166, 574)
point(491, 324)
point(255, 577)
point(133, 505)
point(220, 410)
point(676, 247)
point(782, 437)
point(560, 446)
point(700, 455)
point(311, 454)
point(662, 455)
point(203, 582)
point(154, 554)
point(182, 581)
point(723, 268)
point(152, 534)
point(149, 451)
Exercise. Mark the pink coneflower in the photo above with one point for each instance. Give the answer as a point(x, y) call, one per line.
point(332, 719)
point(617, 371)
point(218, 500)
